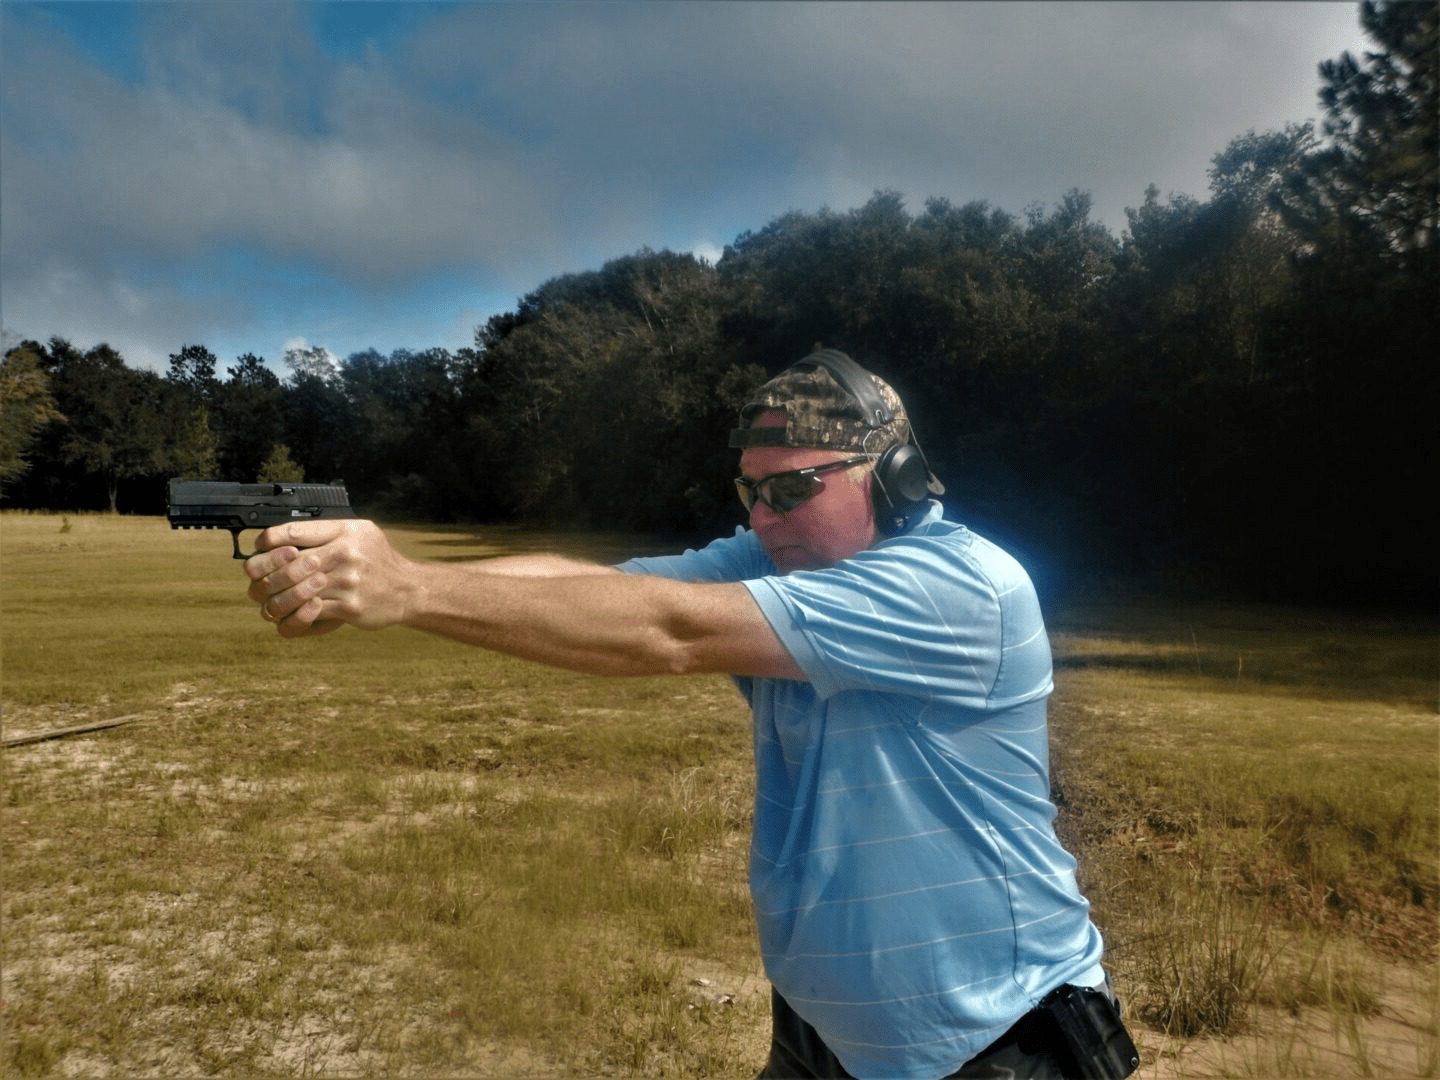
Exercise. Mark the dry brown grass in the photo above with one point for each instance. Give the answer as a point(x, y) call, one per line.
point(384, 854)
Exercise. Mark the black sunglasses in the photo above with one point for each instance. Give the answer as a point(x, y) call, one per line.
point(784, 491)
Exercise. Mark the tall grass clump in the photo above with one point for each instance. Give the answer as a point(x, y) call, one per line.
point(1352, 836)
point(690, 814)
point(1205, 956)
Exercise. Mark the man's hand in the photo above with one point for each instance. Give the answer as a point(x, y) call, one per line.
point(313, 577)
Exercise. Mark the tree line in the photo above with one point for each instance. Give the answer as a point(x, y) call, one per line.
point(1235, 394)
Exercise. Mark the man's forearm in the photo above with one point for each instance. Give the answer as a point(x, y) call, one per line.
point(538, 565)
point(606, 623)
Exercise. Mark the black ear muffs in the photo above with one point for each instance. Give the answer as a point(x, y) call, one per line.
point(902, 488)
point(903, 480)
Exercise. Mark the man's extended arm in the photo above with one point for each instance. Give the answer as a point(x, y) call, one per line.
point(314, 577)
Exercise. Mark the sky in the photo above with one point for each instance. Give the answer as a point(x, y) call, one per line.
point(254, 176)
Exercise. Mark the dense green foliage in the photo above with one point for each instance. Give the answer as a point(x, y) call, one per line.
point(1235, 393)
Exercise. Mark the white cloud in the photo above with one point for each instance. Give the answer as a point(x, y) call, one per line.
point(301, 344)
point(145, 323)
point(708, 252)
point(509, 143)
point(154, 170)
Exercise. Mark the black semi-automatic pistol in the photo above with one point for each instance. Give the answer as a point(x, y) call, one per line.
point(219, 504)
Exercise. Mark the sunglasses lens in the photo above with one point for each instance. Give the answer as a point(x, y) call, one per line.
point(788, 490)
point(746, 493)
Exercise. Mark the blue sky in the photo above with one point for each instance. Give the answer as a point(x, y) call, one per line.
point(250, 175)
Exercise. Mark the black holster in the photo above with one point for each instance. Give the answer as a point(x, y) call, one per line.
point(1089, 1023)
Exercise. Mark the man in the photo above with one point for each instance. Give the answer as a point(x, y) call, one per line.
point(917, 915)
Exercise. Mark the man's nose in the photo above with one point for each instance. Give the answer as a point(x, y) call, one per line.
point(762, 514)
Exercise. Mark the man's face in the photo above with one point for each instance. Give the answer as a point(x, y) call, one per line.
point(833, 525)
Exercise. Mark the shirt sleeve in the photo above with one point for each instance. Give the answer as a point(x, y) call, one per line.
point(920, 616)
point(731, 558)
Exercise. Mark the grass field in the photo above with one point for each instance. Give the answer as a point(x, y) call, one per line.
point(390, 855)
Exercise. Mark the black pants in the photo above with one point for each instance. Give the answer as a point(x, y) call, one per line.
point(1031, 1050)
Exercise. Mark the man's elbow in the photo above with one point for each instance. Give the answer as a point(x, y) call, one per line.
point(708, 630)
point(674, 653)
point(722, 654)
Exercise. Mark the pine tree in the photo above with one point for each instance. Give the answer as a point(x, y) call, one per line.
point(1379, 176)
point(197, 451)
point(280, 468)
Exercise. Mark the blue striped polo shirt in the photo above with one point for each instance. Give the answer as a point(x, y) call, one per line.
point(911, 897)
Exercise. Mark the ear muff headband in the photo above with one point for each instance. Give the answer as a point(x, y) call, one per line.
point(855, 381)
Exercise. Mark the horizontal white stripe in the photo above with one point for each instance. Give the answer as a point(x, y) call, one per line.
point(979, 830)
point(1022, 644)
point(1008, 928)
point(1061, 875)
point(787, 807)
point(880, 784)
point(885, 840)
point(858, 729)
point(903, 892)
point(898, 1000)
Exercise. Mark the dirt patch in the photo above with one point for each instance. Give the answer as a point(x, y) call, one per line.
point(1399, 1039)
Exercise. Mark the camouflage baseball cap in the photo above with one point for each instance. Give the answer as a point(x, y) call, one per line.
point(821, 413)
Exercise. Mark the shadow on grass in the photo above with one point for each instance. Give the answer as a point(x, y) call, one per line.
point(1394, 663)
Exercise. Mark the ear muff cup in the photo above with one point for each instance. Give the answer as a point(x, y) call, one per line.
point(902, 488)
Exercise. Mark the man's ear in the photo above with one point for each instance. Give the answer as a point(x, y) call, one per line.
point(867, 484)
